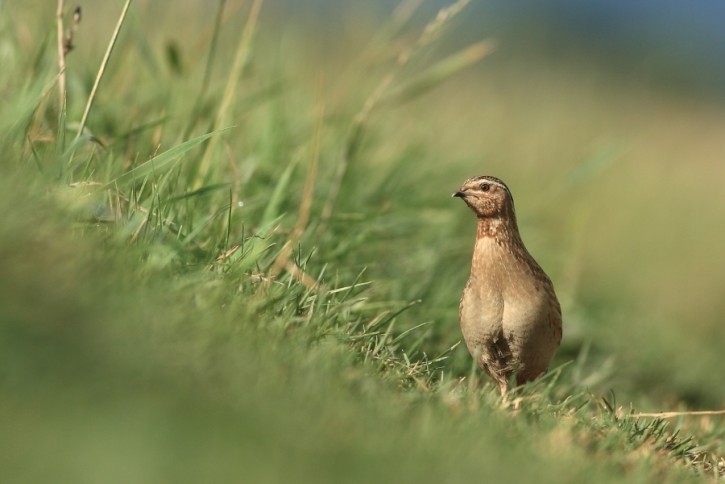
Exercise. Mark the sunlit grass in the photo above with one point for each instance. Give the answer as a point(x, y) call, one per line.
point(256, 274)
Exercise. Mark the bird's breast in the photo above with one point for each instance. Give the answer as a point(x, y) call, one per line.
point(501, 292)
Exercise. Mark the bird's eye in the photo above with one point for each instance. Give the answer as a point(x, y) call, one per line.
point(485, 187)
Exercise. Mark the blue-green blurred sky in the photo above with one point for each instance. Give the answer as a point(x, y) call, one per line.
point(675, 42)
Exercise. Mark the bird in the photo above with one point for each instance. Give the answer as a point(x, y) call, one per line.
point(509, 314)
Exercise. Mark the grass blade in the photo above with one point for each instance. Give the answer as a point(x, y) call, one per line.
point(437, 74)
point(102, 69)
point(158, 163)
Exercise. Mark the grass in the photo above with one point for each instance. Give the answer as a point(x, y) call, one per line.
point(247, 268)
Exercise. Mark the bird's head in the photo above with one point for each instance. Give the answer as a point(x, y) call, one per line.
point(488, 197)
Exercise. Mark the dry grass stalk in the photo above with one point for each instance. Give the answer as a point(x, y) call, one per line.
point(61, 55)
point(65, 45)
point(695, 413)
point(429, 34)
point(102, 69)
point(283, 261)
point(240, 60)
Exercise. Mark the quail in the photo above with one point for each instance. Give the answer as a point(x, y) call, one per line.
point(510, 316)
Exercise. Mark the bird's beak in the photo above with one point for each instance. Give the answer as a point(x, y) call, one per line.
point(459, 194)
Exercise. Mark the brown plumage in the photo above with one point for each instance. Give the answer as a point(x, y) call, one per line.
point(510, 316)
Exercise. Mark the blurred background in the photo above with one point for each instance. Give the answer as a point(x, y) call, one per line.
point(671, 44)
point(606, 120)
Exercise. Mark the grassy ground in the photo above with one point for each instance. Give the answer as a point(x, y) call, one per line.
point(247, 267)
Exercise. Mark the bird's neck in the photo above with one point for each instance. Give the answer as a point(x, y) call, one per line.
point(498, 228)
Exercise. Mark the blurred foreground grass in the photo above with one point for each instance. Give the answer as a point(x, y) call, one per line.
point(279, 301)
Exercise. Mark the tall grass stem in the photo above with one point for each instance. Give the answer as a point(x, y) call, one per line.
point(240, 60)
point(102, 69)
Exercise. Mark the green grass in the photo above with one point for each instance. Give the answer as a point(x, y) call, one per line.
point(252, 273)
